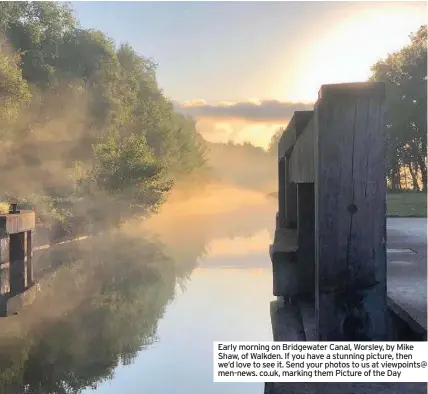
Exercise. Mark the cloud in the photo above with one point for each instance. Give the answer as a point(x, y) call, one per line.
point(238, 130)
point(251, 120)
point(263, 111)
point(194, 103)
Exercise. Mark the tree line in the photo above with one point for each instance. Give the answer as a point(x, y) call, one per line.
point(83, 119)
point(405, 75)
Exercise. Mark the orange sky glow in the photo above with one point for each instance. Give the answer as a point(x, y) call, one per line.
point(341, 47)
point(346, 46)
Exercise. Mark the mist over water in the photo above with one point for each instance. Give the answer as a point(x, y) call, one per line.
point(123, 310)
point(178, 226)
point(136, 309)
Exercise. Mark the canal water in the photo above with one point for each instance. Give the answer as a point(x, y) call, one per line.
point(117, 335)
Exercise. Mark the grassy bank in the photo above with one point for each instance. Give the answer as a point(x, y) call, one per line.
point(407, 204)
point(403, 204)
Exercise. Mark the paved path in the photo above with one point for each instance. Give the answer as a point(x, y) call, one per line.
point(407, 286)
point(407, 269)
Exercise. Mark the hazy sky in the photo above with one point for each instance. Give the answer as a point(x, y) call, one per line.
point(212, 53)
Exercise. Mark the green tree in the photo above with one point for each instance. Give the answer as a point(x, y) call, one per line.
point(35, 29)
point(125, 134)
point(127, 168)
point(14, 90)
point(405, 75)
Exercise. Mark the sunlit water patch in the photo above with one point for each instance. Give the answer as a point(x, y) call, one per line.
point(227, 298)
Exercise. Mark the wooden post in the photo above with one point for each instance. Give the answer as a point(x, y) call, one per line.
point(281, 194)
point(4, 249)
point(4, 268)
point(350, 213)
point(29, 256)
point(306, 239)
point(290, 198)
point(4, 279)
point(18, 268)
point(4, 288)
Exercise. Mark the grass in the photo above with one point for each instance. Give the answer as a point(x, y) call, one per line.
point(407, 204)
point(401, 204)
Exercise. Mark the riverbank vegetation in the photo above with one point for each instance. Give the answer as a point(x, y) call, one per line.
point(85, 130)
point(88, 138)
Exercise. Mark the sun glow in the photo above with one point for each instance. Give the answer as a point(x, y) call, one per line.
point(238, 130)
point(239, 246)
point(348, 48)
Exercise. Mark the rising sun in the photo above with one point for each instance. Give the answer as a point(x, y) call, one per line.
point(345, 50)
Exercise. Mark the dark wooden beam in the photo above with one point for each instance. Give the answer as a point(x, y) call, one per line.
point(350, 213)
point(306, 240)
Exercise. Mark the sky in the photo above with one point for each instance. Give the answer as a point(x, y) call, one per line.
point(242, 68)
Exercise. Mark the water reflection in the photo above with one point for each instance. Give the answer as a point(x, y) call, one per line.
point(110, 316)
point(92, 315)
point(218, 304)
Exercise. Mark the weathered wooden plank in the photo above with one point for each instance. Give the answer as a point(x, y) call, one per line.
point(4, 279)
point(306, 239)
point(18, 263)
point(284, 276)
point(307, 312)
point(4, 249)
point(29, 258)
point(281, 193)
point(302, 156)
point(286, 322)
point(290, 206)
point(285, 240)
point(350, 215)
point(293, 130)
point(372, 90)
point(288, 200)
point(284, 270)
point(16, 223)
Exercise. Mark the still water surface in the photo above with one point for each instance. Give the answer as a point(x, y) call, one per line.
point(119, 320)
point(219, 303)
